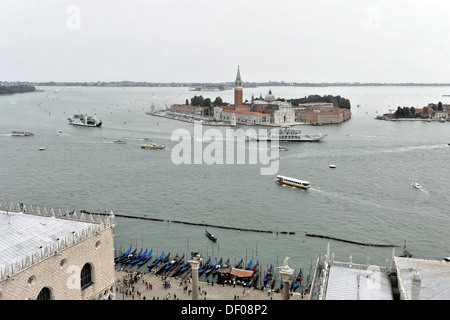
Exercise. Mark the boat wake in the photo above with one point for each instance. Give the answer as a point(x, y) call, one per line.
point(335, 197)
point(415, 148)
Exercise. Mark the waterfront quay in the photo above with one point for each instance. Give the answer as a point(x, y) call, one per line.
point(139, 285)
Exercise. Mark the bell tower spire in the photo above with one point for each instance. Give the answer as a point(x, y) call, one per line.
point(238, 90)
point(238, 81)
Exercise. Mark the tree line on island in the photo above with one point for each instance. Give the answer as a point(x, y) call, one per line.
point(16, 89)
point(411, 112)
point(337, 101)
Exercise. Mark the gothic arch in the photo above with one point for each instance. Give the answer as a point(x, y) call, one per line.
point(87, 276)
point(45, 294)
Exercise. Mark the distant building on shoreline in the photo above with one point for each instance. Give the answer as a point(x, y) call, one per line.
point(268, 110)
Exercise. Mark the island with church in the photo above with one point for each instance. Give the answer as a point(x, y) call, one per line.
point(264, 111)
point(432, 112)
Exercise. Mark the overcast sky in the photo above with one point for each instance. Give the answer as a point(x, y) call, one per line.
point(205, 40)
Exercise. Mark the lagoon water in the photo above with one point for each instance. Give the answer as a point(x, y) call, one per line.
point(367, 198)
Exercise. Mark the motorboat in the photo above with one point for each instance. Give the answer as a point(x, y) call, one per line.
point(416, 185)
point(21, 133)
point(153, 146)
point(120, 141)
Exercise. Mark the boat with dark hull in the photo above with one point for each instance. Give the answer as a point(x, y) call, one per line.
point(269, 280)
point(21, 133)
point(205, 266)
point(83, 120)
point(298, 281)
point(211, 236)
point(211, 267)
point(124, 255)
point(144, 259)
point(156, 261)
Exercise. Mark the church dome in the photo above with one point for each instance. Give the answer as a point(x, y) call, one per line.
point(269, 96)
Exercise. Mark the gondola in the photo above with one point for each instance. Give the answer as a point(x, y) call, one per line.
point(145, 259)
point(298, 281)
point(226, 264)
point(122, 256)
point(239, 264)
point(210, 236)
point(171, 263)
point(131, 258)
point(176, 267)
point(127, 256)
point(268, 275)
point(138, 258)
point(175, 262)
point(156, 261)
point(185, 267)
point(218, 266)
point(255, 266)
point(249, 266)
point(212, 266)
point(205, 266)
point(163, 264)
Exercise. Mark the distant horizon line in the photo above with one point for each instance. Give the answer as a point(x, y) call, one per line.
point(131, 83)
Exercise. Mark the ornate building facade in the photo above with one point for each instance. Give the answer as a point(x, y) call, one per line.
point(48, 255)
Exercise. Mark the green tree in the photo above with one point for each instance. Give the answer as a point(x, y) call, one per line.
point(207, 102)
point(218, 102)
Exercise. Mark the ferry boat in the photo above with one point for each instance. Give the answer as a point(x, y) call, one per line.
point(292, 182)
point(153, 146)
point(21, 133)
point(287, 134)
point(84, 121)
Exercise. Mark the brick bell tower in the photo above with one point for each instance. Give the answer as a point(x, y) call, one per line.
point(238, 101)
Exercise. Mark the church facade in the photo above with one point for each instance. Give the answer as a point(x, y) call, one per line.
point(267, 110)
point(261, 111)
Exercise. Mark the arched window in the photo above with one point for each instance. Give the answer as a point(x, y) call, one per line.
point(86, 276)
point(45, 294)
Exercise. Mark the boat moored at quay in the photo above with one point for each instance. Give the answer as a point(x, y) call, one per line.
point(292, 182)
point(287, 134)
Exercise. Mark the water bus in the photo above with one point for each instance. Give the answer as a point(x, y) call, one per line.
point(292, 182)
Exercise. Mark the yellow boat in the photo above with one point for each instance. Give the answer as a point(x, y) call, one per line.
point(153, 146)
